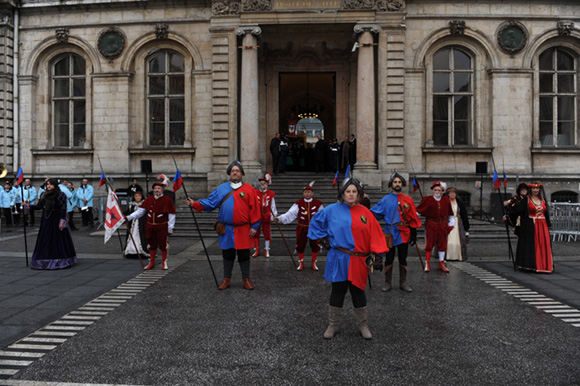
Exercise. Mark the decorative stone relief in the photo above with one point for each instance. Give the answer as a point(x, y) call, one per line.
point(565, 28)
point(62, 34)
point(224, 8)
point(390, 5)
point(358, 4)
point(256, 5)
point(336, 52)
point(111, 42)
point(161, 30)
point(457, 27)
point(512, 36)
point(279, 52)
point(5, 18)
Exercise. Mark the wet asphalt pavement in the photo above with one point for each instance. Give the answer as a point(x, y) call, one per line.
point(482, 323)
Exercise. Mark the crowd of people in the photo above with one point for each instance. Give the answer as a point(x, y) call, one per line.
point(347, 228)
point(292, 153)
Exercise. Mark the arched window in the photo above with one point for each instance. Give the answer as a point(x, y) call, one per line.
point(565, 196)
point(69, 101)
point(452, 97)
point(166, 98)
point(312, 127)
point(558, 97)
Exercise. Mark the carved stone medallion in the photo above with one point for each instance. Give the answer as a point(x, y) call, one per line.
point(512, 36)
point(111, 42)
point(565, 28)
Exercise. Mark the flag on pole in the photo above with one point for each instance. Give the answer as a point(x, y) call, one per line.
point(177, 181)
point(416, 185)
point(19, 176)
point(347, 172)
point(504, 180)
point(496, 181)
point(114, 217)
point(335, 179)
point(102, 181)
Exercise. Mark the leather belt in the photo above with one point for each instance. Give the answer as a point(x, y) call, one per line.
point(402, 223)
point(358, 254)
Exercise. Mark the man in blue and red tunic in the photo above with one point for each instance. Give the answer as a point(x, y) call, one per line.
point(303, 210)
point(239, 211)
point(401, 222)
point(439, 222)
point(351, 233)
point(160, 211)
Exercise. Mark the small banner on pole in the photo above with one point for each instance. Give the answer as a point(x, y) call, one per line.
point(114, 217)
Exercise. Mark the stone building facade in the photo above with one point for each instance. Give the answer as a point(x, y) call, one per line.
point(429, 87)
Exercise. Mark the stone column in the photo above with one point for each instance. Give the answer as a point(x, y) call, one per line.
point(365, 96)
point(249, 103)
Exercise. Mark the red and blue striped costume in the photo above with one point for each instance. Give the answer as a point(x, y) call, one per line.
point(239, 212)
point(350, 227)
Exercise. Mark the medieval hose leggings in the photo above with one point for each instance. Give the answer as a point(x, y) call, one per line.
point(402, 253)
point(359, 299)
point(229, 256)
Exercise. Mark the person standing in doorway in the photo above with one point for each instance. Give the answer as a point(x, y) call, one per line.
point(275, 151)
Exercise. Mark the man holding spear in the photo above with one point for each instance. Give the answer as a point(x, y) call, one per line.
point(238, 220)
point(161, 212)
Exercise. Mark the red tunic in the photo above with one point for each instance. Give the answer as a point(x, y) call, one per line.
point(156, 228)
point(265, 202)
point(436, 225)
point(408, 215)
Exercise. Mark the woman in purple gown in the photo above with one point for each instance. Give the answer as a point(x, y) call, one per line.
point(54, 246)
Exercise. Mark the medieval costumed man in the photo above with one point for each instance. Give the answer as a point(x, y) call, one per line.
point(351, 233)
point(303, 210)
point(238, 220)
point(439, 222)
point(268, 207)
point(401, 223)
point(161, 212)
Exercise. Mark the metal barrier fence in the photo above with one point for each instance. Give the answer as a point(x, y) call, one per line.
point(565, 220)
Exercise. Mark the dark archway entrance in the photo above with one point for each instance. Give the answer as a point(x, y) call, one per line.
point(307, 107)
point(317, 90)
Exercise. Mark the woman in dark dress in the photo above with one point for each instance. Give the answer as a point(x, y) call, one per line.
point(534, 252)
point(54, 246)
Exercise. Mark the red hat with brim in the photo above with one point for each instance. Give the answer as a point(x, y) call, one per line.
point(437, 183)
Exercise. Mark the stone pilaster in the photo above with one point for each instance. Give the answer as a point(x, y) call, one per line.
point(223, 99)
point(249, 102)
point(6, 87)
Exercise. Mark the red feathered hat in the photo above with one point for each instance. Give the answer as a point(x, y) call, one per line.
point(309, 186)
point(441, 184)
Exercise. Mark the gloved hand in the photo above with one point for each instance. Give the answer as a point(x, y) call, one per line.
point(378, 264)
point(413, 239)
point(325, 243)
point(170, 230)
